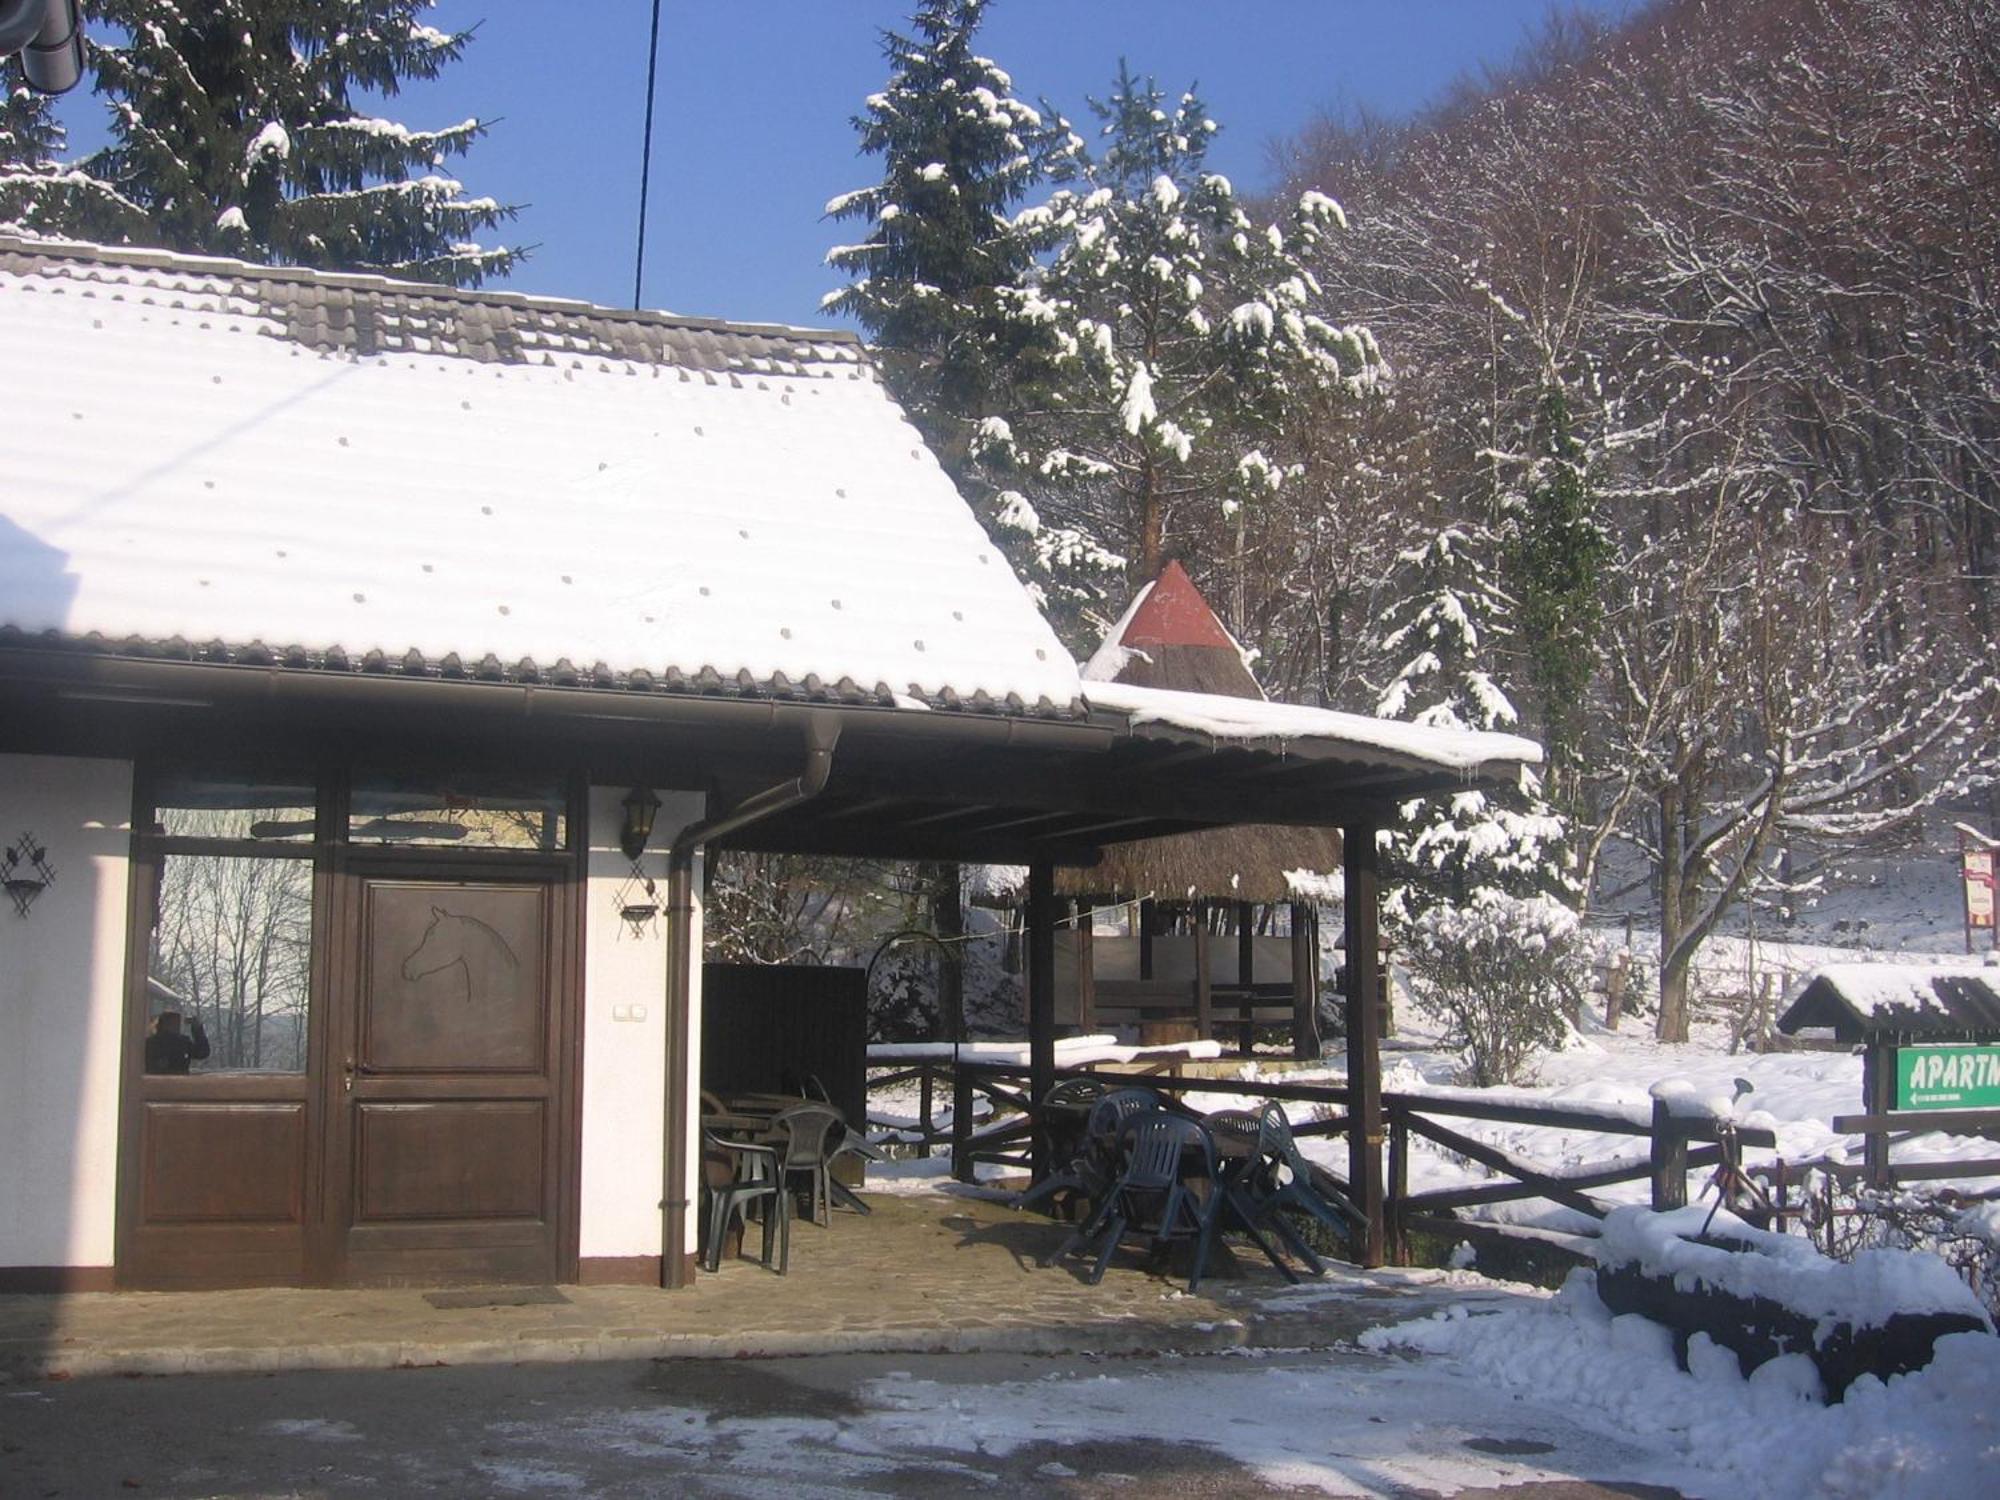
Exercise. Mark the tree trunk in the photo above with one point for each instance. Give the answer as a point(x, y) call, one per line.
point(1673, 1022)
point(1673, 997)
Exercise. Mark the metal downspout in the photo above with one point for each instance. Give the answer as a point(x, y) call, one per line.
point(822, 734)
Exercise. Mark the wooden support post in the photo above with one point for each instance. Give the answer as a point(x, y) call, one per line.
point(1146, 920)
point(948, 920)
point(1204, 985)
point(1086, 970)
point(1305, 981)
point(961, 1125)
point(1246, 943)
point(1041, 995)
point(1670, 1160)
point(1395, 1214)
point(1362, 868)
point(1878, 1097)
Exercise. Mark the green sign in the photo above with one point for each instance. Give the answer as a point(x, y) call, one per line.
point(1947, 1077)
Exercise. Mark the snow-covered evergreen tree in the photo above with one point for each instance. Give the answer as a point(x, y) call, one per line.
point(37, 193)
point(238, 129)
point(959, 154)
point(1445, 628)
point(1183, 337)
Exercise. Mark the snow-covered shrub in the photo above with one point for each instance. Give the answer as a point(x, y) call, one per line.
point(1503, 973)
point(1846, 1219)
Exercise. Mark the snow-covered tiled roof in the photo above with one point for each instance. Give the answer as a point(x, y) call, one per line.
point(231, 462)
point(1253, 721)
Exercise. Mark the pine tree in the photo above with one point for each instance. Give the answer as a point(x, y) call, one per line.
point(1183, 339)
point(959, 155)
point(237, 131)
point(1446, 627)
point(37, 193)
point(1558, 555)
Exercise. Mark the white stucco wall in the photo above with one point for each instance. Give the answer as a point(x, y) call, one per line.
point(62, 986)
point(624, 1035)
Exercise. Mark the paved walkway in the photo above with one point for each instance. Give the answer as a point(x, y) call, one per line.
point(926, 1272)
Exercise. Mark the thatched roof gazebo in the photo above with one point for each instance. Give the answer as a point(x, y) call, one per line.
point(1190, 887)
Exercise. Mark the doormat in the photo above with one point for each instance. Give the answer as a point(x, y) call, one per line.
point(499, 1296)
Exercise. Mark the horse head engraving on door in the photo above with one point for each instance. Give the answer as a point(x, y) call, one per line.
point(485, 961)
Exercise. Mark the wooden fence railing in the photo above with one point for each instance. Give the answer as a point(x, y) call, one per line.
point(1677, 1144)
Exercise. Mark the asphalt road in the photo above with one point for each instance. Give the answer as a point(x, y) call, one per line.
point(836, 1426)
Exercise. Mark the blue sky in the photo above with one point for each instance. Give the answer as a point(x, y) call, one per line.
point(752, 132)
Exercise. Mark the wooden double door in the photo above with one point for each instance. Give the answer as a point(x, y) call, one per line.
point(430, 1138)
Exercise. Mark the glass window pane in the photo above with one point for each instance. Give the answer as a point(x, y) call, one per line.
point(229, 967)
point(461, 811)
point(273, 809)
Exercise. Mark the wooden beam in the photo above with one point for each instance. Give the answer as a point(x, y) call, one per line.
point(1126, 786)
point(1361, 866)
point(1041, 917)
point(1878, 1096)
point(1204, 987)
point(1921, 1121)
point(887, 841)
point(1145, 918)
point(1086, 969)
point(1305, 981)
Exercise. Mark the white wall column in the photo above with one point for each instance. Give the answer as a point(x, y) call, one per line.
point(624, 1044)
point(62, 998)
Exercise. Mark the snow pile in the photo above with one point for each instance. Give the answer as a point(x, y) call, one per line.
point(1930, 1435)
point(1863, 1293)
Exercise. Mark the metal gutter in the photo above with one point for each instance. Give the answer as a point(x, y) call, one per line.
point(822, 735)
point(86, 677)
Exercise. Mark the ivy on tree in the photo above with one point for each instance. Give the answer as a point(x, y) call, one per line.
point(238, 130)
point(1558, 554)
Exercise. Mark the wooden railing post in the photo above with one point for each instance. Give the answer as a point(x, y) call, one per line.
point(1361, 867)
point(1204, 986)
point(1397, 1228)
point(1878, 1094)
point(1670, 1160)
point(961, 1124)
point(926, 1111)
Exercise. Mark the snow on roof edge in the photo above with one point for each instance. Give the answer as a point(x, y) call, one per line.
point(14, 238)
point(1251, 719)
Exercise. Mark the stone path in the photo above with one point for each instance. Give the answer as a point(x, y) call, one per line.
point(925, 1272)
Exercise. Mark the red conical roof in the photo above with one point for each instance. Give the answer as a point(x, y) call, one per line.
point(1169, 638)
point(1173, 613)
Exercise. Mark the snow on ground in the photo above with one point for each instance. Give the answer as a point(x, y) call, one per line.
point(1563, 1360)
point(1933, 1433)
point(1339, 1424)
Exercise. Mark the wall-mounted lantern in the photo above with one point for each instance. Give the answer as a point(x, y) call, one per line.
point(25, 872)
point(640, 808)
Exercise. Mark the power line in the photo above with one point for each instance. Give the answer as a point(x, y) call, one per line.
point(646, 156)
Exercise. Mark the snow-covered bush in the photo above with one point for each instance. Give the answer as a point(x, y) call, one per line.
point(1848, 1219)
point(1503, 973)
